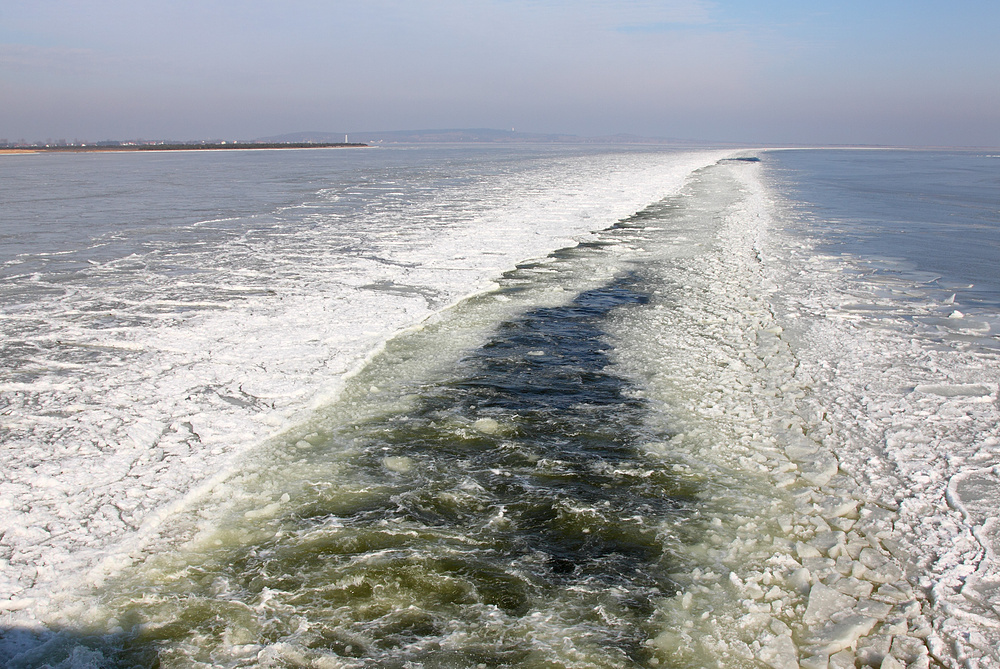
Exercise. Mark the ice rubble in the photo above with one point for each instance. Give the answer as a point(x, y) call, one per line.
point(883, 436)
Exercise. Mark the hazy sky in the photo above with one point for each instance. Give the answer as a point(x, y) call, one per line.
point(915, 72)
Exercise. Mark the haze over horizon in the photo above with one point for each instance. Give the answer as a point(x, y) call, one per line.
point(917, 73)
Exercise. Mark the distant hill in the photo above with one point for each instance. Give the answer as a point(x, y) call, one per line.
point(475, 135)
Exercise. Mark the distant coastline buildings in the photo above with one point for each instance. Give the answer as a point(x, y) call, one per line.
point(163, 145)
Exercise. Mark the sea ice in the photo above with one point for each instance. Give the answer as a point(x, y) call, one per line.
point(850, 452)
point(872, 418)
point(148, 379)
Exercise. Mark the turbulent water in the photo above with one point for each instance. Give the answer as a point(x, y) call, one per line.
point(692, 437)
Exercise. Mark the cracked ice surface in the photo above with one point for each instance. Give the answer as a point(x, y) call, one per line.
point(855, 451)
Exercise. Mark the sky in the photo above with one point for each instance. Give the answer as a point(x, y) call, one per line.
point(913, 72)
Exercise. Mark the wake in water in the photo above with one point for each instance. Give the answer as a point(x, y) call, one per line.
point(635, 452)
point(507, 518)
point(164, 314)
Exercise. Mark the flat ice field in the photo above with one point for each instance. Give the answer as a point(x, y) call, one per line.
point(493, 406)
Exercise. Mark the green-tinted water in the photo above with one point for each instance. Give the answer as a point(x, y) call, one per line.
point(510, 508)
point(485, 494)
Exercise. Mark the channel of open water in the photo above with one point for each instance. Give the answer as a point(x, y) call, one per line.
point(482, 494)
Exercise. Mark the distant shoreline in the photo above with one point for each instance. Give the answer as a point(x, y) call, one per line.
point(181, 147)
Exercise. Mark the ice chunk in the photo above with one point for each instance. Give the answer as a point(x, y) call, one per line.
point(873, 649)
point(880, 568)
point(263, 512)
point(775, 593)
point(873, 609)
point(398, 463)
point(824, 541)
point(801, 450)
point(845, 565)
point(800, 580)
point(838, 636)
point(909, 649)
point(955, 390)
point(780, 653)
point(16, 604)
point(835, 507)
point(486, 426)
point(854, 587)
point(842, 660)
point(824, 603)
point(889, 662)
point(887, 573)
point(815, 662)
point(819, 469)
point(895, 592)
point(871, 558)
point(804, 550)
point(841, 523)
point(819, 566)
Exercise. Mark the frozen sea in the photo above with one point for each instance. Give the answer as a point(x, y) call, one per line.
point(500, 406)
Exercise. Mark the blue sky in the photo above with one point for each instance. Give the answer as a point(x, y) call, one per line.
point(879, 72)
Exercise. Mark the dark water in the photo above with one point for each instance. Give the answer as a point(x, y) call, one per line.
point(505, 498)
point(510, 509)
point(936, 211)
point(557, 498)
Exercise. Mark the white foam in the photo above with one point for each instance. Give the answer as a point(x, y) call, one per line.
point(139, 396)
